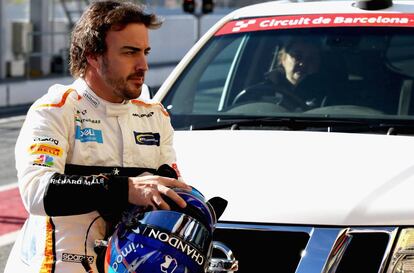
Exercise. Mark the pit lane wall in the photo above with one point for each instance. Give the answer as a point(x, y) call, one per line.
point(168, 45)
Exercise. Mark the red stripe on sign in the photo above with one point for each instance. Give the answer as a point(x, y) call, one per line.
point(12, 211)
point(318, 20)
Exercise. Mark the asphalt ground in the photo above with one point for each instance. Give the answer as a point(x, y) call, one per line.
point(12, 213)
point(4, 253)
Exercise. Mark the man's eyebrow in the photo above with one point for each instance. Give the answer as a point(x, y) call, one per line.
point(133, 48)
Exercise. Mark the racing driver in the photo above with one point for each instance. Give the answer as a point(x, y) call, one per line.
point(88, 149)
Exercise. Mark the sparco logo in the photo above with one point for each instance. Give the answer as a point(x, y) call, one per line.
point(76, 258)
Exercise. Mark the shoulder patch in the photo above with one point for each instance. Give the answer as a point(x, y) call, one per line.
point(62, 100)
point(148, 104)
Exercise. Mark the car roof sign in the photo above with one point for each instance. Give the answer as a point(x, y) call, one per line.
point(318, 20)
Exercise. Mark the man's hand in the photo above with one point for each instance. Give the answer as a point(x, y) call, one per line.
point(147, 191)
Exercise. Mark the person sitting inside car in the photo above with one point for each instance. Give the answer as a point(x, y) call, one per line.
point(299, 81)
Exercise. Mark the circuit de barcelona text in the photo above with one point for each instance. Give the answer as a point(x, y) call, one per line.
point(333, 20)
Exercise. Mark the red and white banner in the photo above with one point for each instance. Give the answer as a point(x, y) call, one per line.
point(318, 20)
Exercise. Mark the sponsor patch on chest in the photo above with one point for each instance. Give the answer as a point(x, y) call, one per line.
point(88, 135)
point(147, 138)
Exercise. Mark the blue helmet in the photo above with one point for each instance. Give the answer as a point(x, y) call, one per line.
point(165, 241)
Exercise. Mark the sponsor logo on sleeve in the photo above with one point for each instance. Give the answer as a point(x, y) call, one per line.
point(76, 258)
point(147, 138)
point(42, 148)
point(45, 139)
point(83, 180)
point(88, 135)
point(44, 160)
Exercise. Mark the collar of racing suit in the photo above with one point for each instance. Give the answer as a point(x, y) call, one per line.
point(111, 109)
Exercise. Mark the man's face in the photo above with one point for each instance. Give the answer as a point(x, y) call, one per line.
point(301, 60)
point(122, 68)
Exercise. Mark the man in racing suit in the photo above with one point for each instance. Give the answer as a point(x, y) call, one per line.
point(89, 149)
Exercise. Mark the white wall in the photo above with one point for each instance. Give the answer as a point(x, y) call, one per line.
point(168, 45)
point(176, 36)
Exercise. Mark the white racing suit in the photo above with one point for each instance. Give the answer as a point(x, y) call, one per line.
point(69, 137)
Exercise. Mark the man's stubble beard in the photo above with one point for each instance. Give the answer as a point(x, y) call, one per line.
point(119, 84)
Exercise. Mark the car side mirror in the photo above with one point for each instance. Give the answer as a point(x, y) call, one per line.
point(228, 264)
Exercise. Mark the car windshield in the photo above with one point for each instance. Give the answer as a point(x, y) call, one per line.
point(351, 76)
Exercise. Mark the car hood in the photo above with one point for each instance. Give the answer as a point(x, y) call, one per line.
point(302, 177)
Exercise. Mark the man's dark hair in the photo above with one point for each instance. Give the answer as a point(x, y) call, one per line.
point(289, 43)
point(89, 33)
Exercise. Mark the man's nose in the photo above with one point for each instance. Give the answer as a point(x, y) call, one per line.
point(141, 63)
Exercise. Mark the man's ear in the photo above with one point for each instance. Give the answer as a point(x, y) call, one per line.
point(93, 61)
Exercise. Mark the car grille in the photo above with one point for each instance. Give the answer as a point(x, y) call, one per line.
point(304, 249)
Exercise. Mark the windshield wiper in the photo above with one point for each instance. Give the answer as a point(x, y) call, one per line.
point(393, 128)
point(310, 123)
point(291, 123)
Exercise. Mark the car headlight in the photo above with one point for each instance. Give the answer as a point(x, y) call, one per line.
point(402, 260)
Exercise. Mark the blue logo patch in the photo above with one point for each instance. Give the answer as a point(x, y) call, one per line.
point(147, 138)
point(88, 135)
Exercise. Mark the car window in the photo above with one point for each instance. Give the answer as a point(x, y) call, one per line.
point(364, 73)
point(203, 81)
point(214, 78)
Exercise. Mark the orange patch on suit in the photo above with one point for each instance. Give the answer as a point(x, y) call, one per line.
point(142, 103)
point(61, 102)
point(40, 148)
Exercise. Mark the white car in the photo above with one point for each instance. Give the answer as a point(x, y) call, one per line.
point(318, 180)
